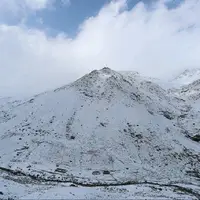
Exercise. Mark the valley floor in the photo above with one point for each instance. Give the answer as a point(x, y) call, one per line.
point(23, 188)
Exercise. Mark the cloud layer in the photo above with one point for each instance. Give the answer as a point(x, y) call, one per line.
point(21, 8)
point(154, 40)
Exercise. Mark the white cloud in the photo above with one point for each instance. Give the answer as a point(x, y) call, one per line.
point(16, 6)
point(36, 4)
point(21, 8)
point(156, 42)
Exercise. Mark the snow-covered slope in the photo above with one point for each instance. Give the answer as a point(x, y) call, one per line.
point(8, 102)
point(105, 128)
point(190, 121)
point(6, 106)
point(186, 77)
point(165, 84)
point(42, 190)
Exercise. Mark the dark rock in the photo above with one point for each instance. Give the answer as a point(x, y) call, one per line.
point(87, 95)
point(96, 173)
point(168, 115)
point(1, 193)
point(73, 185)
point(196, 138)
point(194, 173)
point(129, 125)
point(150, 112)
point(31, 101)
point(139, 136)
point(60, 170)
point(183, 116)
point(103, 124)
point(134, 96)
point(106, 172)
point(72, 137)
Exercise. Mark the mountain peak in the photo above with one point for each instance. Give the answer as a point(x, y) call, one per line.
point(187, 76)
point(106, 70)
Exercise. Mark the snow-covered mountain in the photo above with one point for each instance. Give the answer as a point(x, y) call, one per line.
point(186, 77)
point(6, 106)
point(190, 93)
point(107, 128)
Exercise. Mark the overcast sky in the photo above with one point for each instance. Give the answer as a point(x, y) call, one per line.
point(47, 43)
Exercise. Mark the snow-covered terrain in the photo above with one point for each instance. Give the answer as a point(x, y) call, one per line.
point(105, 132)
point(40, 190)
point(186, 77)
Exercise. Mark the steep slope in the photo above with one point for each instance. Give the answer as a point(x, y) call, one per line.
point(6, 105)
point(186, 77)
point(190, 121)
point(105, 128)
point(165, 84)
point(191, 91)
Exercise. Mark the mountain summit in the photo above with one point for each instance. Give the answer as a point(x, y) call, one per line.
point(187, 76)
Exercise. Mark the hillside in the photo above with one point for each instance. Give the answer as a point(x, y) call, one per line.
point(107, 128)
point(187, 77)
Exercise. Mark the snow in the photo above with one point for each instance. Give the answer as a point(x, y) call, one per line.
point(107, 128)
point(187, 77)
point(65, 191)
